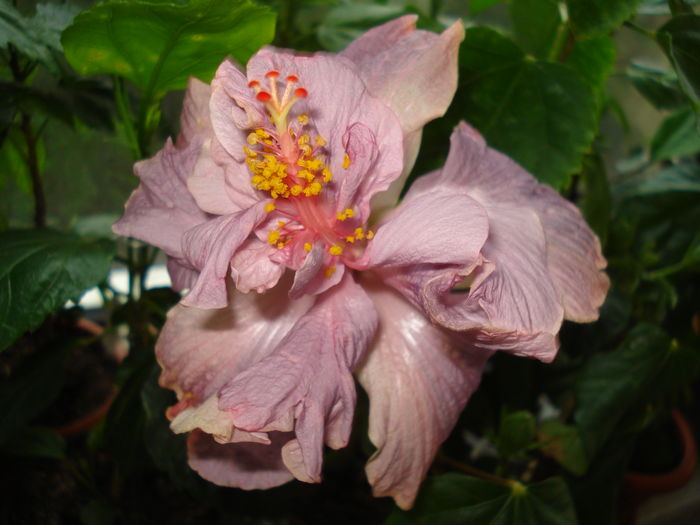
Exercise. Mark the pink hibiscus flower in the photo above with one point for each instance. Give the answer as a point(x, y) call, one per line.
point(262, 206)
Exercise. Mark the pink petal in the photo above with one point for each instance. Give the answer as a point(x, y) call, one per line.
point(418, 379)
point(200, 350)
point(252, 269)
point(337, 100)
point(308, 377)
point(243, 465)
point(195, 123)
point(210, 247)
point(436, 228)
point(413, 72)
point(573, 251)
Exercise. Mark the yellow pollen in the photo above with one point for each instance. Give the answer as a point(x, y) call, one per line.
point(304, 139)
point(307, 247)
point(327, 175)
point(330, 271)
point(346, 161)
point(273, 236)
point(262, 133)
point(335, 250)
point(370, 235)
point(359, 234)
point(303, 119)
point(270, 207)
point(312, 189)
point(252, 139)
point(349, 212)
point(249, 152)
point(280, 224)
point(280, 245)
point(350, 239)
point(320, 141)
point(296, 189)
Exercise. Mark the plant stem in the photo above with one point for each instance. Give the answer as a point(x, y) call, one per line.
point(33, 167)
point(122, 100)
point(463, 467)
point(639, 29)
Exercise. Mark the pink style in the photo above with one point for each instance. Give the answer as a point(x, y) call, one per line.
point(277, 208)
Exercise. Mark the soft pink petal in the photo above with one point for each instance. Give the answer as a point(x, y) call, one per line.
point(337, 100)
point(308, 376)
point(161, 209)
point(182, 275)
point(573, 251)
point(252, 269)
point(436, 228)
point(200, 350)
point(207, 184)
point(418, 379)
point(210, 247)
point(413, 72)
point(243, 465)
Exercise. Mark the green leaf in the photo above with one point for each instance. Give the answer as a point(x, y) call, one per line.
point(477, 6)
point(596, 201)
point(659, 7)
point(456, 499)
point(598, 17)
point(345, 22)
point(678, 178)
point(660, 88)
point(40, 270)
point(564, 444)
point(37, 38)
point(676, 137)
point(609, 384)
point(516, 432)
point(31, 389)
point(594, 59)
point(35, 442)
point(541, 114)
point(680, 39)
point(159, 45)
point(535, 23)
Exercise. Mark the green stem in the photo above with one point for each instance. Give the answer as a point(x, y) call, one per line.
point(124, 108)
point(458, 465)
point(639, 29)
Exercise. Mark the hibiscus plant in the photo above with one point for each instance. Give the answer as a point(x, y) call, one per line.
point(421, 261)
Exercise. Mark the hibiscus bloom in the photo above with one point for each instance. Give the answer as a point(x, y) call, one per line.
point(262, 206)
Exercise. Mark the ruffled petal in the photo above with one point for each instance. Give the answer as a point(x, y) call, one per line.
point(161, 209)
point(210, 247)
point(418, 378)
point(413, 72)
point(244, 465)
point(200, 350)
point(308, 378)
point(252, 268)
point(573, 252)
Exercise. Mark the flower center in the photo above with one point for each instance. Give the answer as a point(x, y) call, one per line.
point(289, 161)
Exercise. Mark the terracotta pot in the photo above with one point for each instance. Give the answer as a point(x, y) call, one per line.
point(638, 487)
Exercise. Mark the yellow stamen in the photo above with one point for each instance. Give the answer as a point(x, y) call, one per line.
point(359, 234)
point(303, 119)
point(270, 207)
point(349, 212)
point(346, 161)
point(307, 247)
point(273, 236)
point(330, 271)
point(327, 175)
point(350, 239)
point(370, 235)
point(320, 141)
point(335, 250)
point(296, 189)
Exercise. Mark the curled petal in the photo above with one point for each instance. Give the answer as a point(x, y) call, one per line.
point(210, 246)
point(244, 465)
point(418, 378)
point(308, 376)
point(200, 350)
point(252, 269)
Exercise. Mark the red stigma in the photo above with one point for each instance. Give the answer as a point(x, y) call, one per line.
point(272, 74)
point(292, 78)
point(253, 83)
point(263, 96)
point(301, 93)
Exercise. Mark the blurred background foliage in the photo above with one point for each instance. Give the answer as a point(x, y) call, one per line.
point(598, 98)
